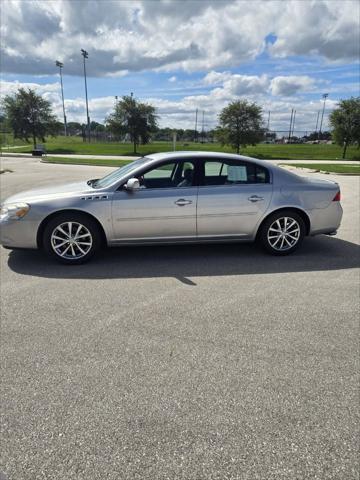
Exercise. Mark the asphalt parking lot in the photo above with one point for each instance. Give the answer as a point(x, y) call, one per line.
point(192, 362)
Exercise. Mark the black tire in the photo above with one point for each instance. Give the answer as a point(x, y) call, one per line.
point(89, 243)
point(268, 234)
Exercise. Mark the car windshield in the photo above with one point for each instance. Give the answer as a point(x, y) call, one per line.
point(119, 173)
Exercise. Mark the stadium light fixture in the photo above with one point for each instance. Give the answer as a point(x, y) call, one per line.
point(61, 65)
point(85, 54)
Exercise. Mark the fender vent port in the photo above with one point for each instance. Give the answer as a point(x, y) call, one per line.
point(95, 197)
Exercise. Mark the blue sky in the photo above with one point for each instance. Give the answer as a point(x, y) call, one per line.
point(180, 56)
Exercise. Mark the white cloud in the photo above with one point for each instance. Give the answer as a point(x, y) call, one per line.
point(326, 28)
point(231, 85)
point(216, 78)
point(8, 88)
point(172, 79)
point(246, 84)
point(153, 34)
point(290, 85)
point(235, 84)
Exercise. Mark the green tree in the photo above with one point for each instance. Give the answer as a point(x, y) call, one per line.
point(319, 136)
point(240, 124)
point(97, 127)
point(29, 115)
point(134, 118)
point(345, 121)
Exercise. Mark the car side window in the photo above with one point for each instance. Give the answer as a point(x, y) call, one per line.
point(231, 172)
point(169, 175)
point(213, 169)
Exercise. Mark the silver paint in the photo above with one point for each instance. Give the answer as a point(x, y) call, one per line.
point(182, 214)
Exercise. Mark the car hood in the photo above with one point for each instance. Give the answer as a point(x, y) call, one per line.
point(51, 192)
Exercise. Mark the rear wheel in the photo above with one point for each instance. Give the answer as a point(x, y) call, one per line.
point(71, 238)
point(282, 233)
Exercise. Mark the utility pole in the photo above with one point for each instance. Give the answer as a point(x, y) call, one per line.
point(202, 129)
point(317, 121)
point(85, 54)
point(268, 122)
point(323, 110)
point(293, 125)
point(60, 65)
point(292, 113)
point(196, 119)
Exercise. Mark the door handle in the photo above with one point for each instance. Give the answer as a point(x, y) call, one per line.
point(181, 202)
point(255, 198)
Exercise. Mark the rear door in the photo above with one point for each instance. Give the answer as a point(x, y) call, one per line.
point(233, 196)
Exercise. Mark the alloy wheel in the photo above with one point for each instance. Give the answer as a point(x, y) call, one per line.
point(71, 240)
point(283, 233)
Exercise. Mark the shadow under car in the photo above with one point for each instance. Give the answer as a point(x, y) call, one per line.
point(182, 261)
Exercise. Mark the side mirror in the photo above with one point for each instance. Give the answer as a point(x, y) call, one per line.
point(132, 184)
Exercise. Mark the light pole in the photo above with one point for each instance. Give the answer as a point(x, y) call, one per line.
point(85, 54)
point(203, 129)
point(291, 119)
point(293, 124)
point(323, 110)
point(317, 123)
point(60, 65)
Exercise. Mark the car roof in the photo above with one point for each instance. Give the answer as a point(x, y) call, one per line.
point(200, 154)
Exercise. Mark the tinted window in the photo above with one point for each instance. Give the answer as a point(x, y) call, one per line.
point(163, 171)
point(232, 172)
point(213, 168)
point(169, 175)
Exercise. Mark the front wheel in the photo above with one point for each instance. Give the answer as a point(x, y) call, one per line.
point(282, 233)
point(71, 238)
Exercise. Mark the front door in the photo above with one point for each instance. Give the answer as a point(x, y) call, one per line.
point(233, 197)
point(164, 208)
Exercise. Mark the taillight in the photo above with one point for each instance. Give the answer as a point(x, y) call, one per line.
point(337, 197)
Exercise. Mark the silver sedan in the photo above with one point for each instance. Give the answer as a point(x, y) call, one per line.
point(179, 197)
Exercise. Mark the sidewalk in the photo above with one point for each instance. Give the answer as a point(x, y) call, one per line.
point(68, 155)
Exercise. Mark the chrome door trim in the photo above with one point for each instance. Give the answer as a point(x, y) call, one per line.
point(168, 217)
point(177, 240)
point(221, 215)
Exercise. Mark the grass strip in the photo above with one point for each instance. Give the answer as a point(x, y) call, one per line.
point(328, 167)
point(75, 145)
point(100, 162)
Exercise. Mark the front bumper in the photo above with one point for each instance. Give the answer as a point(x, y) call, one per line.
point(18, 233)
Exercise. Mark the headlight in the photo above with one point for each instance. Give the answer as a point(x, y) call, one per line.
point(14, 211)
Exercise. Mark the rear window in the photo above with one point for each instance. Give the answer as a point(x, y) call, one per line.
point(231, 172)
